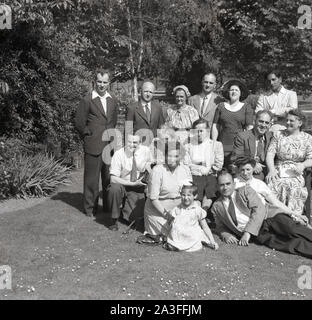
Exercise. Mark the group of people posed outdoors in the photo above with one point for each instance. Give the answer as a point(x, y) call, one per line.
point(208, 161)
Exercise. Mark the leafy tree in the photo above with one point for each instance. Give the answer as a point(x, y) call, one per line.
point(260, 35)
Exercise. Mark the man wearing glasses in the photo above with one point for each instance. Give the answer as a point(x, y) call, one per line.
point(206, 101)
point(254, 143)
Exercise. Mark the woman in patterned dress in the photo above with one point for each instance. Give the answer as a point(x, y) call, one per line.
point(292, 150)
point(181, 116)
point(231, 117)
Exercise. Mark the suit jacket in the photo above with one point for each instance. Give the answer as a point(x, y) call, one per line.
point(91, 121)
point(245, 144)
point(136, 113)
point(195, 101)
point(249, 203)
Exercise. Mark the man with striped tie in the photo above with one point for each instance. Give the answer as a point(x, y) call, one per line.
point(207, 100)
point(126, 189)
point(146, 113)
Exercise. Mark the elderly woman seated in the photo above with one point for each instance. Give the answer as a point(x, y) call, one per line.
point(205, 159)
point(289, 154)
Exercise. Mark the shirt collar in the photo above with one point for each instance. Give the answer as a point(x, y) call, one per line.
point(130, 154)
point(227, 199)
point(282, 91)
point(146, 103)
point(95, 95)
point(175, 108)
point(203, 95)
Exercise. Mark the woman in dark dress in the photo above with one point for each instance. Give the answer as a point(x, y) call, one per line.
point(231, 117)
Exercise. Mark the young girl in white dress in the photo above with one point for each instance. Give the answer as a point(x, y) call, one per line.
point(189, 228)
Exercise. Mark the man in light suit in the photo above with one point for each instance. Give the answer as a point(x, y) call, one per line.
point(255, 142)
point(146, 114)
point(278, 100)
point(239, 215)
point(96, 113)
point(206, 101)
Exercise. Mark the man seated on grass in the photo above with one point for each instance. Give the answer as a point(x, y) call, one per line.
point(126, 189)
point(240, 214)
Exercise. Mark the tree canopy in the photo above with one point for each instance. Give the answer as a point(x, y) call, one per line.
point(49, 54)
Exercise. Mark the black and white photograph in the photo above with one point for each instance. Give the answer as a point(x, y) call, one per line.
point(155, 154)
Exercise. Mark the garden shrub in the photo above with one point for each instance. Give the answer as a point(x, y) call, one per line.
point(26, 171)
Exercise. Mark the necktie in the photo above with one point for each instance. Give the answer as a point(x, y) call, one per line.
point(202, 108)
point(260, 150)
point(148, 113)
point(133, 174)
point(231, 210)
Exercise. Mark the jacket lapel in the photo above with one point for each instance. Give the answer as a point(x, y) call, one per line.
point(153, 112)
point(226, 216)
point(198, 104)
point(241, 205)
point(268, 137)
point(109, 108)
point(252, 143)
point(141, 112)
point(98, 103)
point(210, 104)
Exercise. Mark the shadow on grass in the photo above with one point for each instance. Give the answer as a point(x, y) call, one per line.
point(75, 200)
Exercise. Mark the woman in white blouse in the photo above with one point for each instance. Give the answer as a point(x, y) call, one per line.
point(246, 166)
point(205, 159)
point(164, 187)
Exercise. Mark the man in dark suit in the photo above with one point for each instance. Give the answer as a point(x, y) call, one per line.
point(206, 101)
point(254, 143)
point(96, 113)
point(146, 114)
point(240, 214)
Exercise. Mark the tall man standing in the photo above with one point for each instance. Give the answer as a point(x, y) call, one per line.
point(96, 113)
point(207, 100)
point(146, 114)
point(278, 100)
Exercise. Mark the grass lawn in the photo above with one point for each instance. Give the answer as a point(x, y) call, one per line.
point(55, 252)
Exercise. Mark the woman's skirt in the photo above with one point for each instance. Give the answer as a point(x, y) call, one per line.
point(154, 222)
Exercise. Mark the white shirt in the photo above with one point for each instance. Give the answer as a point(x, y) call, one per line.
point(121, 164)
point(258, 185)
point(241, 218)
point(278, 102)
point(102, 98)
